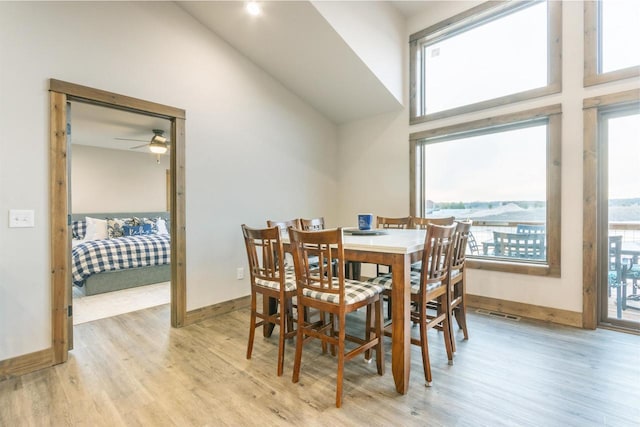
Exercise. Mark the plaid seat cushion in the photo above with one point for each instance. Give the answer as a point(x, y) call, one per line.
point(386, 281)
point(354, 291)
point(289, 282)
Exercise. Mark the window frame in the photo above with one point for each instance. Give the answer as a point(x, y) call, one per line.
point(553, 116)
point(592, 76)
point(482, 13)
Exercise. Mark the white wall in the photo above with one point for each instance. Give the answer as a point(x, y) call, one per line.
point(253, 150)
point(104, 180)
point(374, 153)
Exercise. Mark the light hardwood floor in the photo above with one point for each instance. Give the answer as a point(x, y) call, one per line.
point(135, 370)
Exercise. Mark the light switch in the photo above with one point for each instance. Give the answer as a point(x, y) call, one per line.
point(21, 218)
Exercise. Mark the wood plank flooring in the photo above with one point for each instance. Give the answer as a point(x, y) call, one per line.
point(135, 370)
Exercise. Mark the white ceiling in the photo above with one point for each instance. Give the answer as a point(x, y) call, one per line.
point(100, 126)
point(293, 42)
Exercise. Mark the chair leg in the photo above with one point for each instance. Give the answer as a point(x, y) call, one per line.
point(369, 327)
point(425, 351)
point(299, 342)
point(283, 332)
point(461, 318)
point(252, 325)
point(446, 327)
point(379, 336)
point(339, 380)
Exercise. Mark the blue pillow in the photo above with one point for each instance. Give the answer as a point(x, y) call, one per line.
point(136, 230)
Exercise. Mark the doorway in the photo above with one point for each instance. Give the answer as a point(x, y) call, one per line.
point(60, 94)
point(115, 178)
point(619, 216)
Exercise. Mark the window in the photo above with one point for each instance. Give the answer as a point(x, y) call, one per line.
point(612, 40)
point(504, 174)
point(494, 54)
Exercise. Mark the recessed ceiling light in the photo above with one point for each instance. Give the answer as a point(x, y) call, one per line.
point(253, 8)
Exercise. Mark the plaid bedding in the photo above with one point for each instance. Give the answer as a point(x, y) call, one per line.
point(96, 256)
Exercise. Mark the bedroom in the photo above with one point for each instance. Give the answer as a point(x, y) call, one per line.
point(119, 193)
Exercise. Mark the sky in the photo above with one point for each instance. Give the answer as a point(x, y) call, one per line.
point(511, 165)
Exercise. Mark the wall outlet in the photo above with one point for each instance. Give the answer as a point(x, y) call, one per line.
point(240, 273)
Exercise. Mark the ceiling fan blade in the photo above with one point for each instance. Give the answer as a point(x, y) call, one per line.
point(138, 146)
point(129, 139)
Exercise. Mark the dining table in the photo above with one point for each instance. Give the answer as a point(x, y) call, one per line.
point(398, 248)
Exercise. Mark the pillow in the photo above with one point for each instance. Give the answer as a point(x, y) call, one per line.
point(136, 230)
point(162, 226)
point(78, 229)
point(114, 226)
point(96, 229)
point(150, 221)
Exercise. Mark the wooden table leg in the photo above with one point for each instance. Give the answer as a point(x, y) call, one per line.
point(401, 323)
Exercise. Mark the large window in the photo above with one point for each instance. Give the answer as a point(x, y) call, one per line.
point(612, 40)
point(504, 174)
point(494, 54)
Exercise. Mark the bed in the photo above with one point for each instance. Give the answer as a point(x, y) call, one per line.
point(114, 251)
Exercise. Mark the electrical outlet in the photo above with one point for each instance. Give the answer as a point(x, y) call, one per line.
point(240, 273)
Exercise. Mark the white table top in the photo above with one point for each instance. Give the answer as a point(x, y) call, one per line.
point(397, 241)
point(393, 241)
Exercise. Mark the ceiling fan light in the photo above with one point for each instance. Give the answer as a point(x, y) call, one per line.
point(158, 147)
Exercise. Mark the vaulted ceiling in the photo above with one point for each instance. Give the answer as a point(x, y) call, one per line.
point(294, 43)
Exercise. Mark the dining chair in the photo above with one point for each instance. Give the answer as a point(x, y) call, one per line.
point(422, 223)
point(319, 288)
point(390, 223)
point(419, 223)
point(270, 280)
point(283, 226)
point(429, 285)
point(457, 280)
point(353, 268)
point(312, 224)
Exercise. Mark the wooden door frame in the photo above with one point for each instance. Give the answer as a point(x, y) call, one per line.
point(60, 93)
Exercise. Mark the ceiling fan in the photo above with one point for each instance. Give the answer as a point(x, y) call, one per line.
point(159, 144)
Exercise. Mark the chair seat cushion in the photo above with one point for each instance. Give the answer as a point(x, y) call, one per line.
point(387, 281)
point(289, 281)
point(633, 272)
point(354, 292)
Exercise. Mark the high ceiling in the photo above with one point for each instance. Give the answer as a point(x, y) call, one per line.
point(295, 44)
point(292, 42)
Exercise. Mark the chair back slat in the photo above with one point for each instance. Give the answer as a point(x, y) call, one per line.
point(422, 223)
point(530, 229)
point(283, 226)
point(325, 246)
point(463, 231)
point(399, 223)
point(264, 253)
point(313, 224)
point(438, 248)
point(519, 245)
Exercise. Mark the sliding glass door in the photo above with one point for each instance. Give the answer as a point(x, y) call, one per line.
point(619, 215)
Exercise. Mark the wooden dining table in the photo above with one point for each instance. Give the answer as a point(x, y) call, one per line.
point(397, 248)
